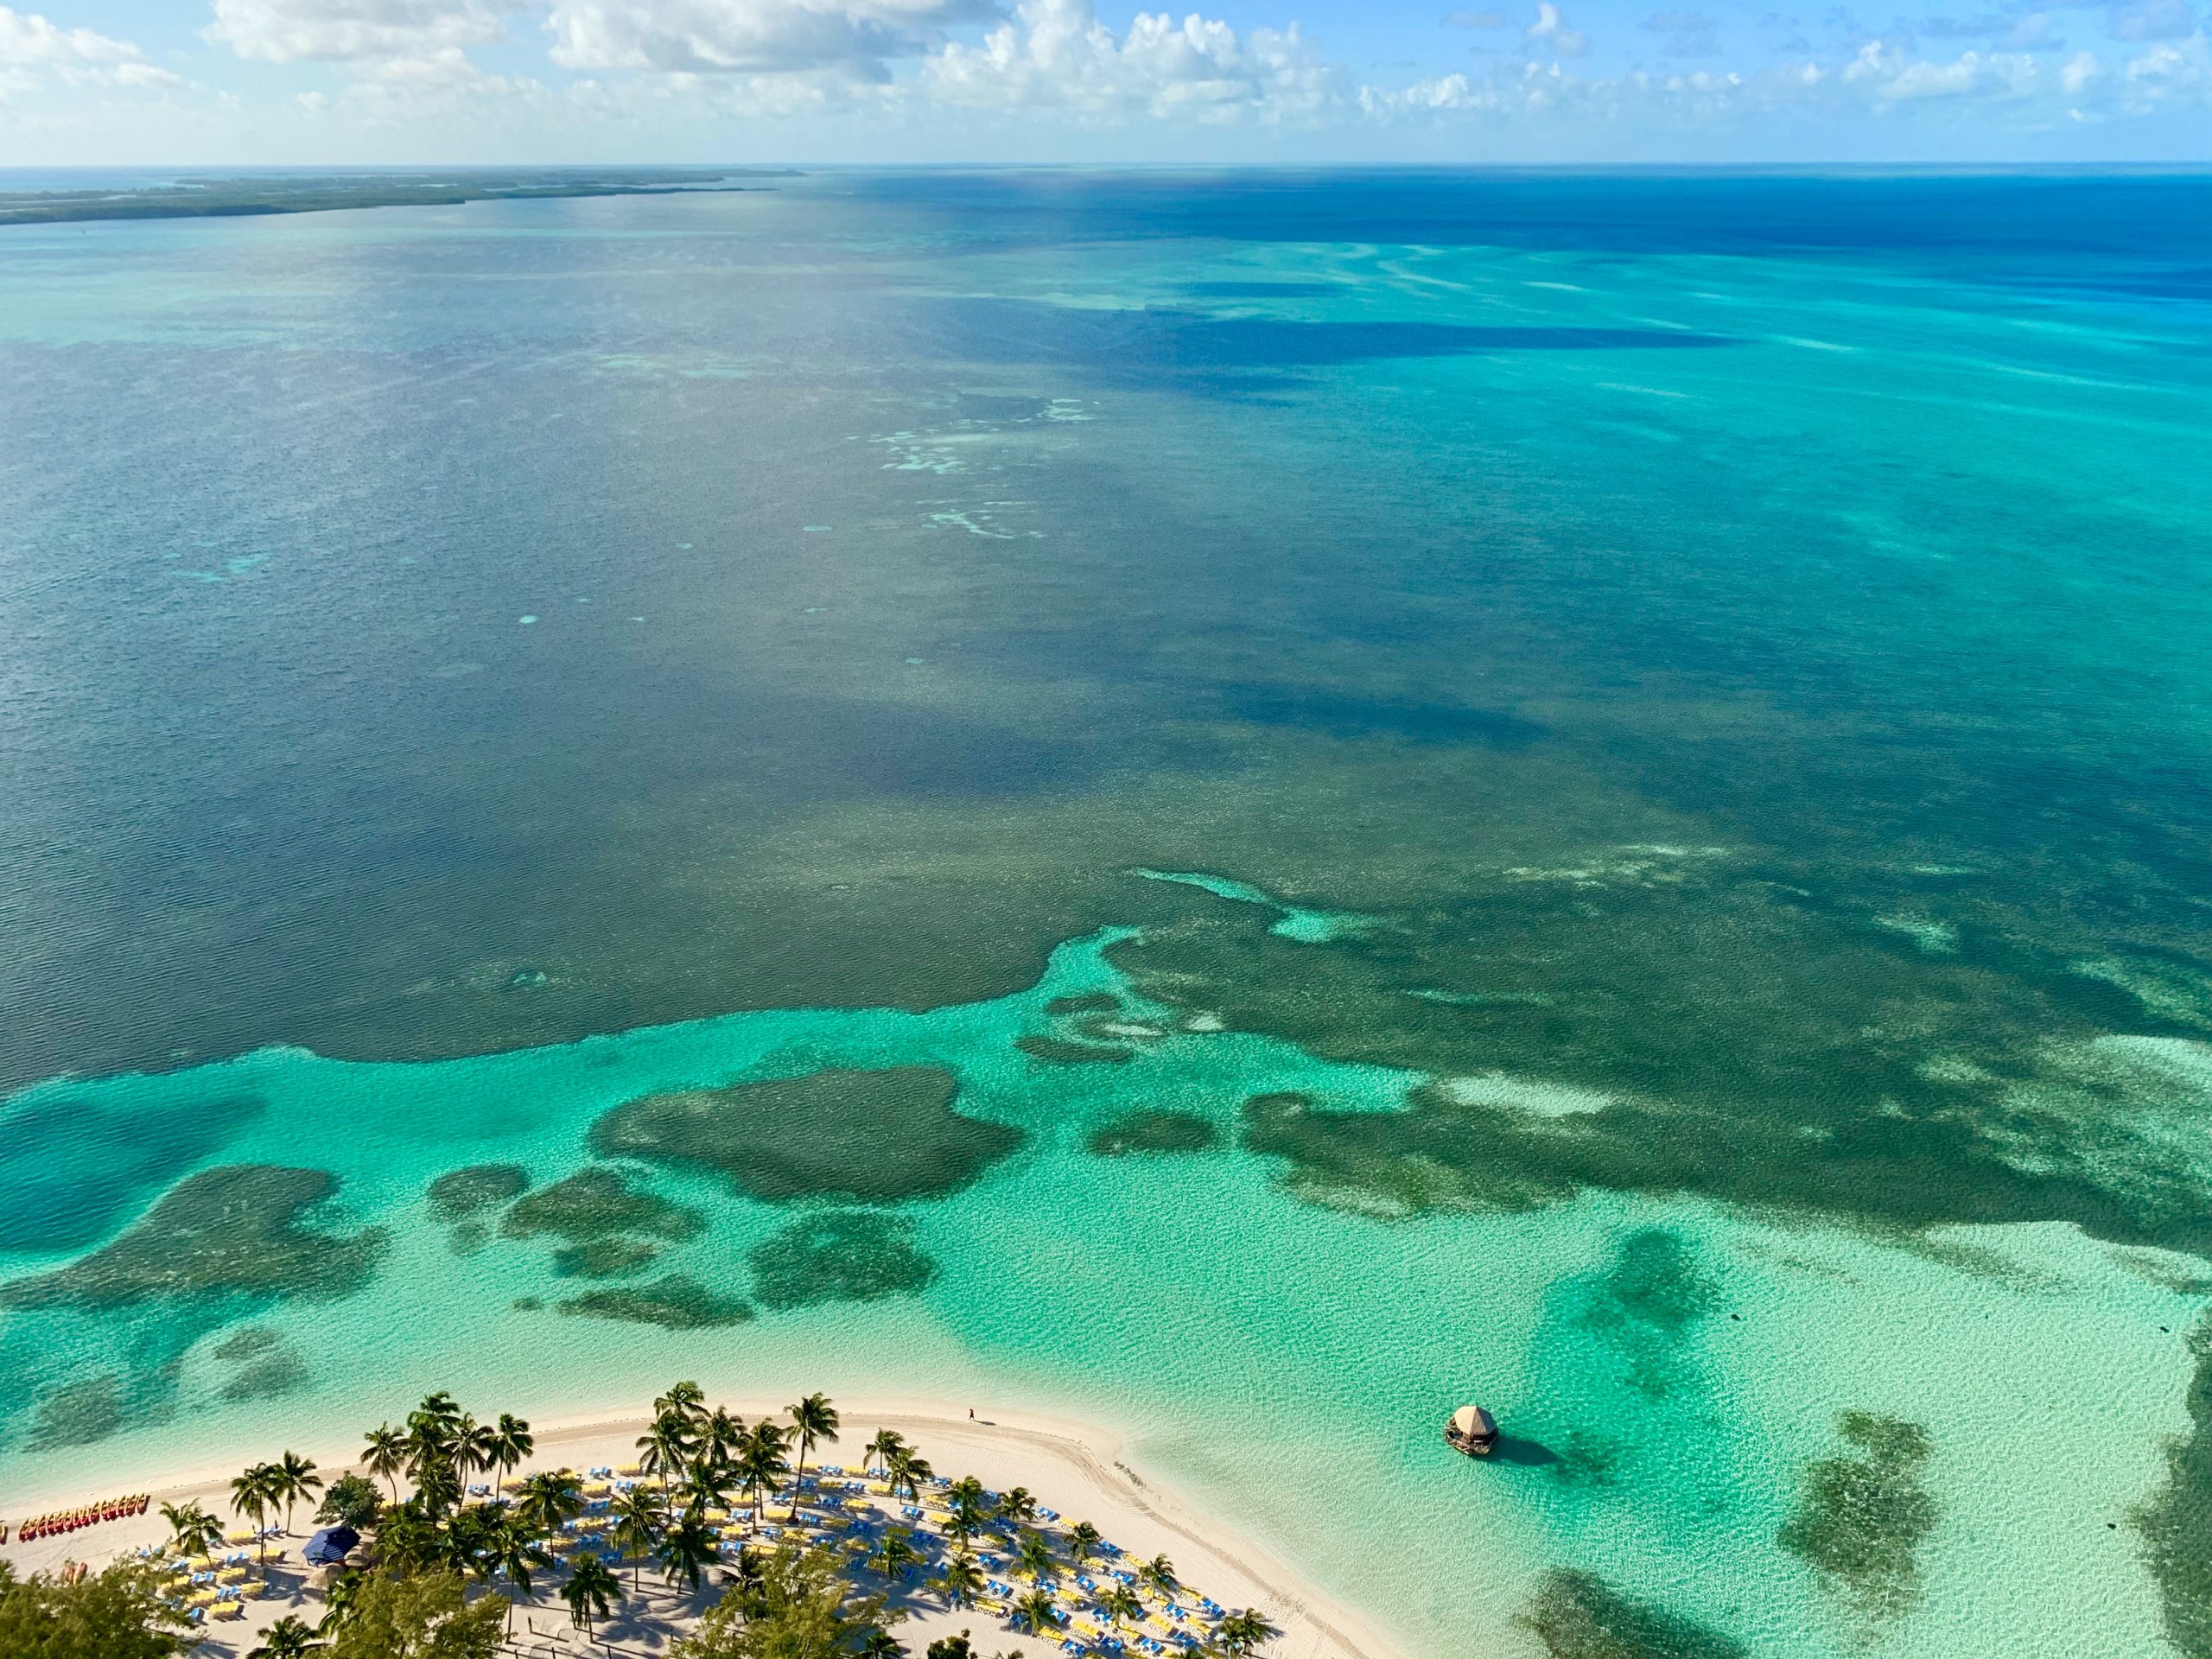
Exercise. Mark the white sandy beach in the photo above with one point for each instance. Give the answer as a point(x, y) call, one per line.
point(1077, 1468)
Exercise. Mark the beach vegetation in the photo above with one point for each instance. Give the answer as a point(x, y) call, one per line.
point(2175, 1523)
point(416, 1615)
point(257, 1491)
point(352, 1501)
point(760, 1462)
point(592, 1593)
point(818, 1136)
point(384, 1453)
point(640, 1517)
point(115, 1614)
point(289, 1638)
point(813, 1419)
point(800, 1606)
point(959, 1581)
point(193, 1531)
point(296, 1481)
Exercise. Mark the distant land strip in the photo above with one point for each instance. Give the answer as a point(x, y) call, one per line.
point(215, 198)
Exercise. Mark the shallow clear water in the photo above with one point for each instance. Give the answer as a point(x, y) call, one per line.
point(1708, 668)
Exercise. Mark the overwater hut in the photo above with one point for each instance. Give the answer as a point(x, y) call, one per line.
point(1473, 1430)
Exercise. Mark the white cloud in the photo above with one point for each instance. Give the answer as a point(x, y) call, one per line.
point(1056, 54)
point(356, 31)
point(722, 37)
point(1551, 30)
point(33, 46)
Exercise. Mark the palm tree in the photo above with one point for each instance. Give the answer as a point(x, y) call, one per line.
point(550, 1498)
point(385, 1455)
point(639, 1519)
point(473, 1451)
point(761, 1463)
point(288, 1638)
point(297, 1480)
point(687, 1550)
point(886, 1444)
point(969, 1509)
point(1159, 1574)
point(191, 1529)
point(1242, 1632)
point(514, 1548)
point(338, 1599)
point(1018, 1507)
point(708, 1484)
point(896, 1553)
point(1083, 1539)
point(722, 1434)
point(686, 1401)
point(911, 1470)
point(1119, 1603)
point(959, 1579)
point(665, 1447)
point(433, 1430)
point(880, 1644)
point(256, 1492)
point(591, 1590)
point(1036, 1611)
point(812, 1418)
point(510, 1443)
point(1034, 1557)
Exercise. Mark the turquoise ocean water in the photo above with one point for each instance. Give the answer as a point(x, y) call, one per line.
point(1632, 747)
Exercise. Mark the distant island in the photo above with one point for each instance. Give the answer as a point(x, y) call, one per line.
point(248, 195)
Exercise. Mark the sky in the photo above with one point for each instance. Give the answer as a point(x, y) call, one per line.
point(166, 83)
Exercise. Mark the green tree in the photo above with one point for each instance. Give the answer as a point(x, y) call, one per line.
point(639, 1520)
point(297, 1480)
point(721, 1434)
point(1241, 1633)
point(886, 1444)
point(812, 1418)
point(1037, 1612)
point(115, 1614)
point(667, 1447)
point(509, 1444)
point(591, 1590)
point(1018, 1507)
point(895, 1555)
point(193, 1531)
point(417, 1615)
point(1083, 1539)
point(708, 1484)
point(880, 1644)
point(260, 1489)
point(515, 1548)
point(971, 1509)
point(1159, 1574)
point(473, 1449)
point(550, 1499)
point(952, 1647)
point(352, 1500)
point(686, 1550)
point(685, 1401)
point(385, 1454)
point(803, 1608)
point(289, 1638)
point(1034, 1556)
point(1120, 1603)
point(959, 1580)
point(761, 1463)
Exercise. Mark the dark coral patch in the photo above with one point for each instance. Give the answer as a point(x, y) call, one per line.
point(462, 1194)
point(1579, 1616)
point(1153, 1131)
point(603, 1258)
point(872, 1136)
point(234, 1230)
point(78, 1414)
point(1058, 1051)
point(1860, 1518)
point(675, 1301)
point(1089, 1002)
point(841, 1255)
point(599, 1203)
point(2177, 1523)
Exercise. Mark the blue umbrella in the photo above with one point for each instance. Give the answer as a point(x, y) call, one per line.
point(328, 1546)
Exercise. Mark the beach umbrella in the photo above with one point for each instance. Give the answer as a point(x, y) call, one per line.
point(328, 1546)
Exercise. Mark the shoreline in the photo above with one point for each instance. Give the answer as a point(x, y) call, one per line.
point(1076, 1467)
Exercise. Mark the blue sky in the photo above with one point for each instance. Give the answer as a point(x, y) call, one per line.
point(172, 82)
